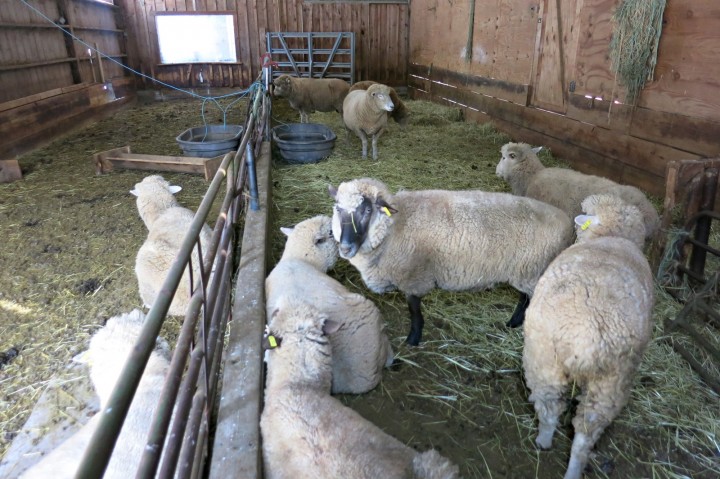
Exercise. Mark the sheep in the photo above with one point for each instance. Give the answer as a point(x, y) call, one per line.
point(308, 95)
point(415, 241)
point(307, 433)
point(109, 349)
point(563, 187)
point(167, 223)
point(589, 323)
point(360, 347)
point(400, 112)
point(365, 113)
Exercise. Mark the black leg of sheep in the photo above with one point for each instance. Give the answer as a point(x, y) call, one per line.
point(518, 317)
point(416, 320)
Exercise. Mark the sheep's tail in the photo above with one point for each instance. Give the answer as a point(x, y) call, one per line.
point(431, 465)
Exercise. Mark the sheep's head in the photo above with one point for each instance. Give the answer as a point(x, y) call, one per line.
point(296, 336)
point(282, 85)
point(514, 155)
point(154, 195)
point(361, 216)
point(381, 96)
point(312, 240)
point(608, 215)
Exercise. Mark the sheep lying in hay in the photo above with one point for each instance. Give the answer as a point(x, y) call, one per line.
point(360, 347)
point(589, 323)
point(167, 223)
point(109, 349)
point(308, 95)
point(563, 187)
point(365, 113)
point(310, 434)
point(400, 112)
point(415, 241)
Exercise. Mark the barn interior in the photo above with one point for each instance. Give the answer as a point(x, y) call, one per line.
point(92, 100)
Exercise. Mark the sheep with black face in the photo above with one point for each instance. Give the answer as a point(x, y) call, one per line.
point(415, 241)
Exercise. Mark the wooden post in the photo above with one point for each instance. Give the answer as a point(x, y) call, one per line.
point(100, 66)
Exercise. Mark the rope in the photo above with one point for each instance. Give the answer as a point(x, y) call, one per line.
point(240, 94)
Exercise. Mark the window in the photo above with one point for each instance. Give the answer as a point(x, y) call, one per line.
point(196, 38)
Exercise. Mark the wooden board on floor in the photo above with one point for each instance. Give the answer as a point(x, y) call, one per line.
point(122, 157)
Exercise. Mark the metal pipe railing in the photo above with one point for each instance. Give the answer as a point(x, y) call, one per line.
point(98, 453)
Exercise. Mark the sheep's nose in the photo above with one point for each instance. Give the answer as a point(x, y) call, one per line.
point(346, 250)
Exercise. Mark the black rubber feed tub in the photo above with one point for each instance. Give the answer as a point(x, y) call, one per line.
point(304, 142)
point(209, 141)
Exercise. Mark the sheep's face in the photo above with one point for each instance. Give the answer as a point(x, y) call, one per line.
point(350, 226)
point(282, 85)
point(513, 155)
point(381, 95)
point(312, 240)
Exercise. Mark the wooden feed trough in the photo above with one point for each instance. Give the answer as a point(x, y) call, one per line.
point(106, 161)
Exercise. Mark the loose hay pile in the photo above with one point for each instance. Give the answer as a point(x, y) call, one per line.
point(70, 239)
point(462, 391)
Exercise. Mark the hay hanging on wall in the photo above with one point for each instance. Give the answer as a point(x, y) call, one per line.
point(637, 26)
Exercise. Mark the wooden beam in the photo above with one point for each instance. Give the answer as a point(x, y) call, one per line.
point(107, 161)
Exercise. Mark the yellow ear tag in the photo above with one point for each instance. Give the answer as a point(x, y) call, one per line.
point(272, 341)
point(586, 225)
point(386, 210)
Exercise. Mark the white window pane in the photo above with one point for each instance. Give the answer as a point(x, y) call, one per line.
point(196, 38)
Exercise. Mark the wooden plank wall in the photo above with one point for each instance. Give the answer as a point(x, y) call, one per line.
point(540, 71)
point(381, 37)
point(36, 55)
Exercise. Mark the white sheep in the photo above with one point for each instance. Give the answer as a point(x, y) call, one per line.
point(588, 324)
point(167, 223)
point(563, 187)
point(360, 347)
point(415, 241)
point(308, 95)
point(400, 112)
point(365, 113)
point(109, 349)
point(307, 433)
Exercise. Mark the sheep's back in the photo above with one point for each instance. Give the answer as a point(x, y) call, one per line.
point(469, 240)
point(320, 94)
point(310, 434)
point(566, 189)
point(591, 309)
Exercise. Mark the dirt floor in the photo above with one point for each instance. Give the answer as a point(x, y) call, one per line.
point(70, 239)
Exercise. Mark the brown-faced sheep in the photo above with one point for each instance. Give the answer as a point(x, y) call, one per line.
point(400, 112)
point(307, 433)
point(563, 187)
point(308, 95)
point(360, 347)
point(365, 113)
point(415, 241)
point(588, 324)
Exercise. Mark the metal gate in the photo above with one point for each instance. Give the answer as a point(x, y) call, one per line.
point(313, 54)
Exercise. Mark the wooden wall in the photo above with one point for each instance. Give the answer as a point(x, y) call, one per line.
point(540, 71)
point(48, 81)
point(381, 36)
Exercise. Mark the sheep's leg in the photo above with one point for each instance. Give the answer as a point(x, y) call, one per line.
point(304, 118)
point(375, 138)
point(548, 406)
point(416, 320)
point(518, 316)
point(596, 410)
point(363, 138)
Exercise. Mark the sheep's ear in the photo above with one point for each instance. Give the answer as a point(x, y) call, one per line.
point(330, 326)
point(174, 189)
point(585, 221)
point(332, 191)
point(134, 192)
point(384, 206)
point(537, 149)
point(286, 231)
